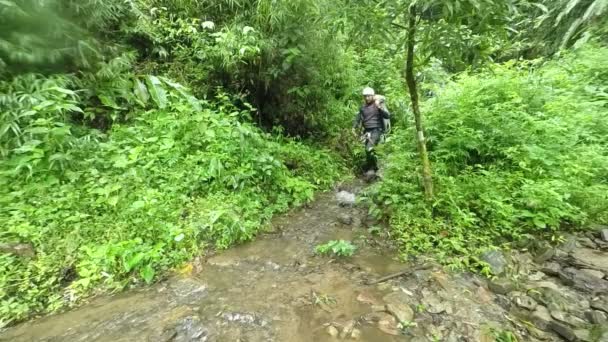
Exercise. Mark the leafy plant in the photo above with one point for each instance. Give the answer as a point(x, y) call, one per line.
point(517, 151)
point(340, 248)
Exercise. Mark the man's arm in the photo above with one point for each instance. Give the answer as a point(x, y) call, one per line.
point(384, 112)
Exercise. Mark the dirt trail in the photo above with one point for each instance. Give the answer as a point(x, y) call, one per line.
point(276, 289)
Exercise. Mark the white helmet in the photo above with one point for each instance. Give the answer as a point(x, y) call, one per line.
point(368, 92)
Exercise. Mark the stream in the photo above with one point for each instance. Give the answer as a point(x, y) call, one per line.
point(276, 288)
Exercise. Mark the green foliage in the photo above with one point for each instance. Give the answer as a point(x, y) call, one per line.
point(107, 210)
point(517, 150)
point(338, 248)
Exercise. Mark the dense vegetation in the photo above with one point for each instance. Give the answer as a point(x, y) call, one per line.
point(137, 134)
point(518, 149)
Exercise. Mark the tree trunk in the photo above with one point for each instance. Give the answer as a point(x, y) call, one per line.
point(411, 84)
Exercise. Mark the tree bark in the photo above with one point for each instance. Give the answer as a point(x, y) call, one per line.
point(427, 179)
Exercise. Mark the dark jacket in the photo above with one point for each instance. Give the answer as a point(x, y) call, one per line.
point(371, 117)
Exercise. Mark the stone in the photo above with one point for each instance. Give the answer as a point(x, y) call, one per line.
point(482, 295)
point(345, 198)
point(562, 317)
point(24, 250)
point(583, 335)
point(525, 302)
point(587, 242)
point(583, 281)
point(503, 302)
point(544, 253)
point(563, 330)
point(501, 286)
point(378, 308)
point(388, 325)
point(591, 257)
point(348, 329)
point(537, 333)
point(332, 331)
point(569, 244)
point(551, 269)
point(541, 317)
point(604, 234)
point(366, 298)
point(600, 304)
point(434, 305)
point(370, 176)
point(397, 306)
point(345, 219)
point(355, 334)
point(496, 261)
point(596, 317)
point(536, 276)
point(593, 273)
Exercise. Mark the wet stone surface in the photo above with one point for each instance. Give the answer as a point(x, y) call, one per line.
point(276, 289)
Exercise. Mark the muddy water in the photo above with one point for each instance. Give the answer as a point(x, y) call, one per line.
point(272, 289)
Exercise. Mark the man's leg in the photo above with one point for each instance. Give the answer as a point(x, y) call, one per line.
point(376, 135)
point(370, 154)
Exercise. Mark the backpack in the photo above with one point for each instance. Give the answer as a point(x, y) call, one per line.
point(381, 103)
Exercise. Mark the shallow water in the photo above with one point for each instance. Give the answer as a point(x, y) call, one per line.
point(272, 289)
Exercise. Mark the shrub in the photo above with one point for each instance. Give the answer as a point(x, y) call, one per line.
point(517, 150)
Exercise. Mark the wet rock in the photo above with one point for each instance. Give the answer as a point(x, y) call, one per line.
point(525, 302)
point(583, 281)
point(544, 253)
point(388, 325)
point(551, 268)
point(600, 304)
point(593, 273)
point(244, 318)
point(541, 317)
point(596, 317)
point(24, 250)
point(188, 290)
point(378, 308)
point(496, 261)
point(397, 306)
point(345, 219)
point(186, 329)
point(366, 298)
point(434, 304)
point(355, 334)
point(347, 330)
point(345, 198)
point(332, 331)
point(501, 286)
point(563, 330)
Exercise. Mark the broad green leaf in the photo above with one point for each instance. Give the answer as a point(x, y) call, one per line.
point(156, 90)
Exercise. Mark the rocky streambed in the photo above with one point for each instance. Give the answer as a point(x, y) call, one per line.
point(277, 289)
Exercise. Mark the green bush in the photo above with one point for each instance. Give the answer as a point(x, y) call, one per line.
point(140, 199)
point(520, 149)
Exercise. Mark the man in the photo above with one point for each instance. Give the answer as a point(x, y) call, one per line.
point(371, 116)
